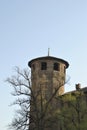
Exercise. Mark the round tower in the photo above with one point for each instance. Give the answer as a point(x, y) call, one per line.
point(49, 74)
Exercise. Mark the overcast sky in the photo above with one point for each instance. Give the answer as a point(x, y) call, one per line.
point(28, 28)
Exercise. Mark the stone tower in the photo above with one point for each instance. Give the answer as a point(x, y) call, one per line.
point(48, 73)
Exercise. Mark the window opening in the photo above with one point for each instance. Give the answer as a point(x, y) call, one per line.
point(56, 66)
point(43, 66)
point(33, 66)
point(64, 69)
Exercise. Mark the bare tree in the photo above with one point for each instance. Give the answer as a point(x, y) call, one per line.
point(22, 92)
point(34, 111)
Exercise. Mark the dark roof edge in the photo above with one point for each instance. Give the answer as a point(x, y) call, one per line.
point(48, 58)
point(84, 89)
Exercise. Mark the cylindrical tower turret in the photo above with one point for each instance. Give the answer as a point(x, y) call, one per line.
point(49, 73)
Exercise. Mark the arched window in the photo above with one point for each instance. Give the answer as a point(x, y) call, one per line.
point(56, 66)
point(43, 66)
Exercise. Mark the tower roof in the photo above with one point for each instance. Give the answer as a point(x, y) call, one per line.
point(48, 58)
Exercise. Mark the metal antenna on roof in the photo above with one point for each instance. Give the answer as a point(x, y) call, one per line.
point(48, 51)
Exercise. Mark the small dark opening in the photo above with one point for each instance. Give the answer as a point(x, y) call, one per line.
point(64, 69)
point(43, 66)
point(33, 66)
point(56, 66)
